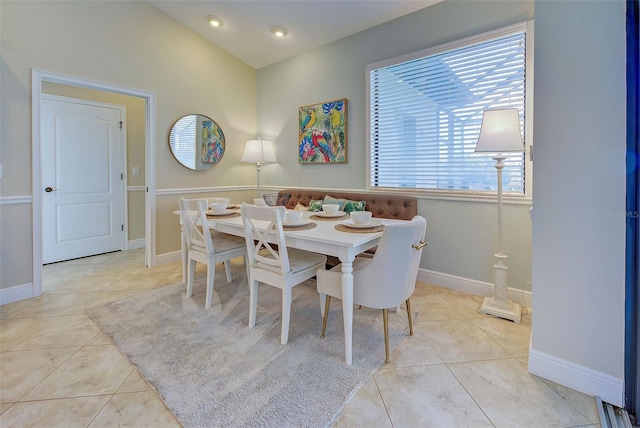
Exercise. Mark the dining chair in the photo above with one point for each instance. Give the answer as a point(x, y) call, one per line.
point(271, 262)
point(205, 245)
point(384, 281)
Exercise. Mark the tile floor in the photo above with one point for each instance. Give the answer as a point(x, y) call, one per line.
point(460, 368)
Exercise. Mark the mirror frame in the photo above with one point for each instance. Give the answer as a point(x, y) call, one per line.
point(208, 146)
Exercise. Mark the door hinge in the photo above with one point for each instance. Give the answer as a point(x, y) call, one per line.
point(121, 176)
point(121, 124)
point(122, 227)
point(531, 152)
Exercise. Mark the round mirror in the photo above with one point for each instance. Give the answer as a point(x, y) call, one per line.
point(197, 142)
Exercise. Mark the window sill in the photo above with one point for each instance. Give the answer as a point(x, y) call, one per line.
point(458, 196)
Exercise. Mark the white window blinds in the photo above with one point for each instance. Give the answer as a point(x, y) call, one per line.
point(425, 115)
point(183, 138)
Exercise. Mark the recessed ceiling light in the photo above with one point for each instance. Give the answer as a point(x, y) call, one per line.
point(214, 21)
point(279, 31)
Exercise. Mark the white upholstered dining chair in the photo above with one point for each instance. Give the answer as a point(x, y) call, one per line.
point(271, 262)
point(384, 281)
point(207, 246)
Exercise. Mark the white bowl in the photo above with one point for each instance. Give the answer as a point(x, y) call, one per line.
point(331, 209)
point(361, 217)
point(259, 202)
point(293, 217)
point(219, 201)
point(218, 207)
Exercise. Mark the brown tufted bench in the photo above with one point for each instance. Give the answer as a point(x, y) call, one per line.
point(382, 205)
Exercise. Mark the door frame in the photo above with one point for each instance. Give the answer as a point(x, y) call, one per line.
point(37, 77)
point(124, 241)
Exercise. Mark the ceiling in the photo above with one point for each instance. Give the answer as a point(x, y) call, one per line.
point(246, 29)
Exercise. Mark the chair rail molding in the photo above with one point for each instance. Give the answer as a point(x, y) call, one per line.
point(16, 200)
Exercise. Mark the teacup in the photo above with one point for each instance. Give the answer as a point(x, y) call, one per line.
point(218, 207)
point(219, 201)
point(293, 217)
point(259, 202)
point(361, 217)
point(330, 209)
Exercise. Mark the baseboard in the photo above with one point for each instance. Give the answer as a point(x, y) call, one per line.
point(475, 287)
point(168, 258)
point(134, 244)
point(16, 293)
point(583, 379)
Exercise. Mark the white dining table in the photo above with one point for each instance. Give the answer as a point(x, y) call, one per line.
point(323, 239)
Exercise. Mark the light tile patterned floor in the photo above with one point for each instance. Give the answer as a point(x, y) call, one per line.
point(459, 369)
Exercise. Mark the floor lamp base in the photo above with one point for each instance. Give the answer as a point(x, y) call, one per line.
point(507, 310)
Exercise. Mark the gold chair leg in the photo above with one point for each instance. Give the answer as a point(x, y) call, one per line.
point(409, 315)
point(326, 315)
point(385, 317)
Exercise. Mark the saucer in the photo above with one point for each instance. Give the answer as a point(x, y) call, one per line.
point(324, 214)
point(372, 223)
point(297, 223)
point(225, 212)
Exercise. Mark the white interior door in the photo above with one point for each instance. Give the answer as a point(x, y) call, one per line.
point(82, 167)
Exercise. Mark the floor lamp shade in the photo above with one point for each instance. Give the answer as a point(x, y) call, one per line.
point(258, 151)
point(500, 133)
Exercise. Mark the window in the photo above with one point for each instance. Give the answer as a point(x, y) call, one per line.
point(425, 112)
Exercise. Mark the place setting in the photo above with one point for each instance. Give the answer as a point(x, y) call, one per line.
point(294, 220)
point(360, 222)
point(221, 208)
point(330, 212)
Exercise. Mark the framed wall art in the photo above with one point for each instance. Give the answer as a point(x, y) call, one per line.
point(322, 136)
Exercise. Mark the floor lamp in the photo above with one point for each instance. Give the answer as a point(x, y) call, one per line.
point(258, 151)
point(500, 133)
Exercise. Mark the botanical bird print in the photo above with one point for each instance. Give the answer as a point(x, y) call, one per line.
point(323, 132)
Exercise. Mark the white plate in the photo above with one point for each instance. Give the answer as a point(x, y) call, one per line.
point(298, 223)
point(324, 214)
point(372, 223)
point(225, 212)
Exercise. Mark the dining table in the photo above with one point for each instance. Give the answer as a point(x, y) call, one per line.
point(329, 236)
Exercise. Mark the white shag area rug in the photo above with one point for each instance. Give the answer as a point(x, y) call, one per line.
point(213, 371)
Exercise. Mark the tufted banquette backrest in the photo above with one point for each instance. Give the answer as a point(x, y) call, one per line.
point(382, 205)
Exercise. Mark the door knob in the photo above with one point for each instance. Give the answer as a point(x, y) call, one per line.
point(48, 189)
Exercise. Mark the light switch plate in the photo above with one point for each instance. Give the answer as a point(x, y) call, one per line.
point(135, 171)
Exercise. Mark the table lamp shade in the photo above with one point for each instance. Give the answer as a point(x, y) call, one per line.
point(500, 132)
point(258, 151)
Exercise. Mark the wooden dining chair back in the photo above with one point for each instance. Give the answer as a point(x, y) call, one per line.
point(271, 262)
point(384, 281)
point(207, 246)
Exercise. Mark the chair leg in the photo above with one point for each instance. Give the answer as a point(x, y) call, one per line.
point(409, 316)
point(191, 273)
point(246, 266)
point(211, 276)
point(227, 270)
point(286, 314)
point(385, 317)
point(326, 315)
point(253, 301)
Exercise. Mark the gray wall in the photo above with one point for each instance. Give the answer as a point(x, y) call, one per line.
point(462, 236)
point(579, 181)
